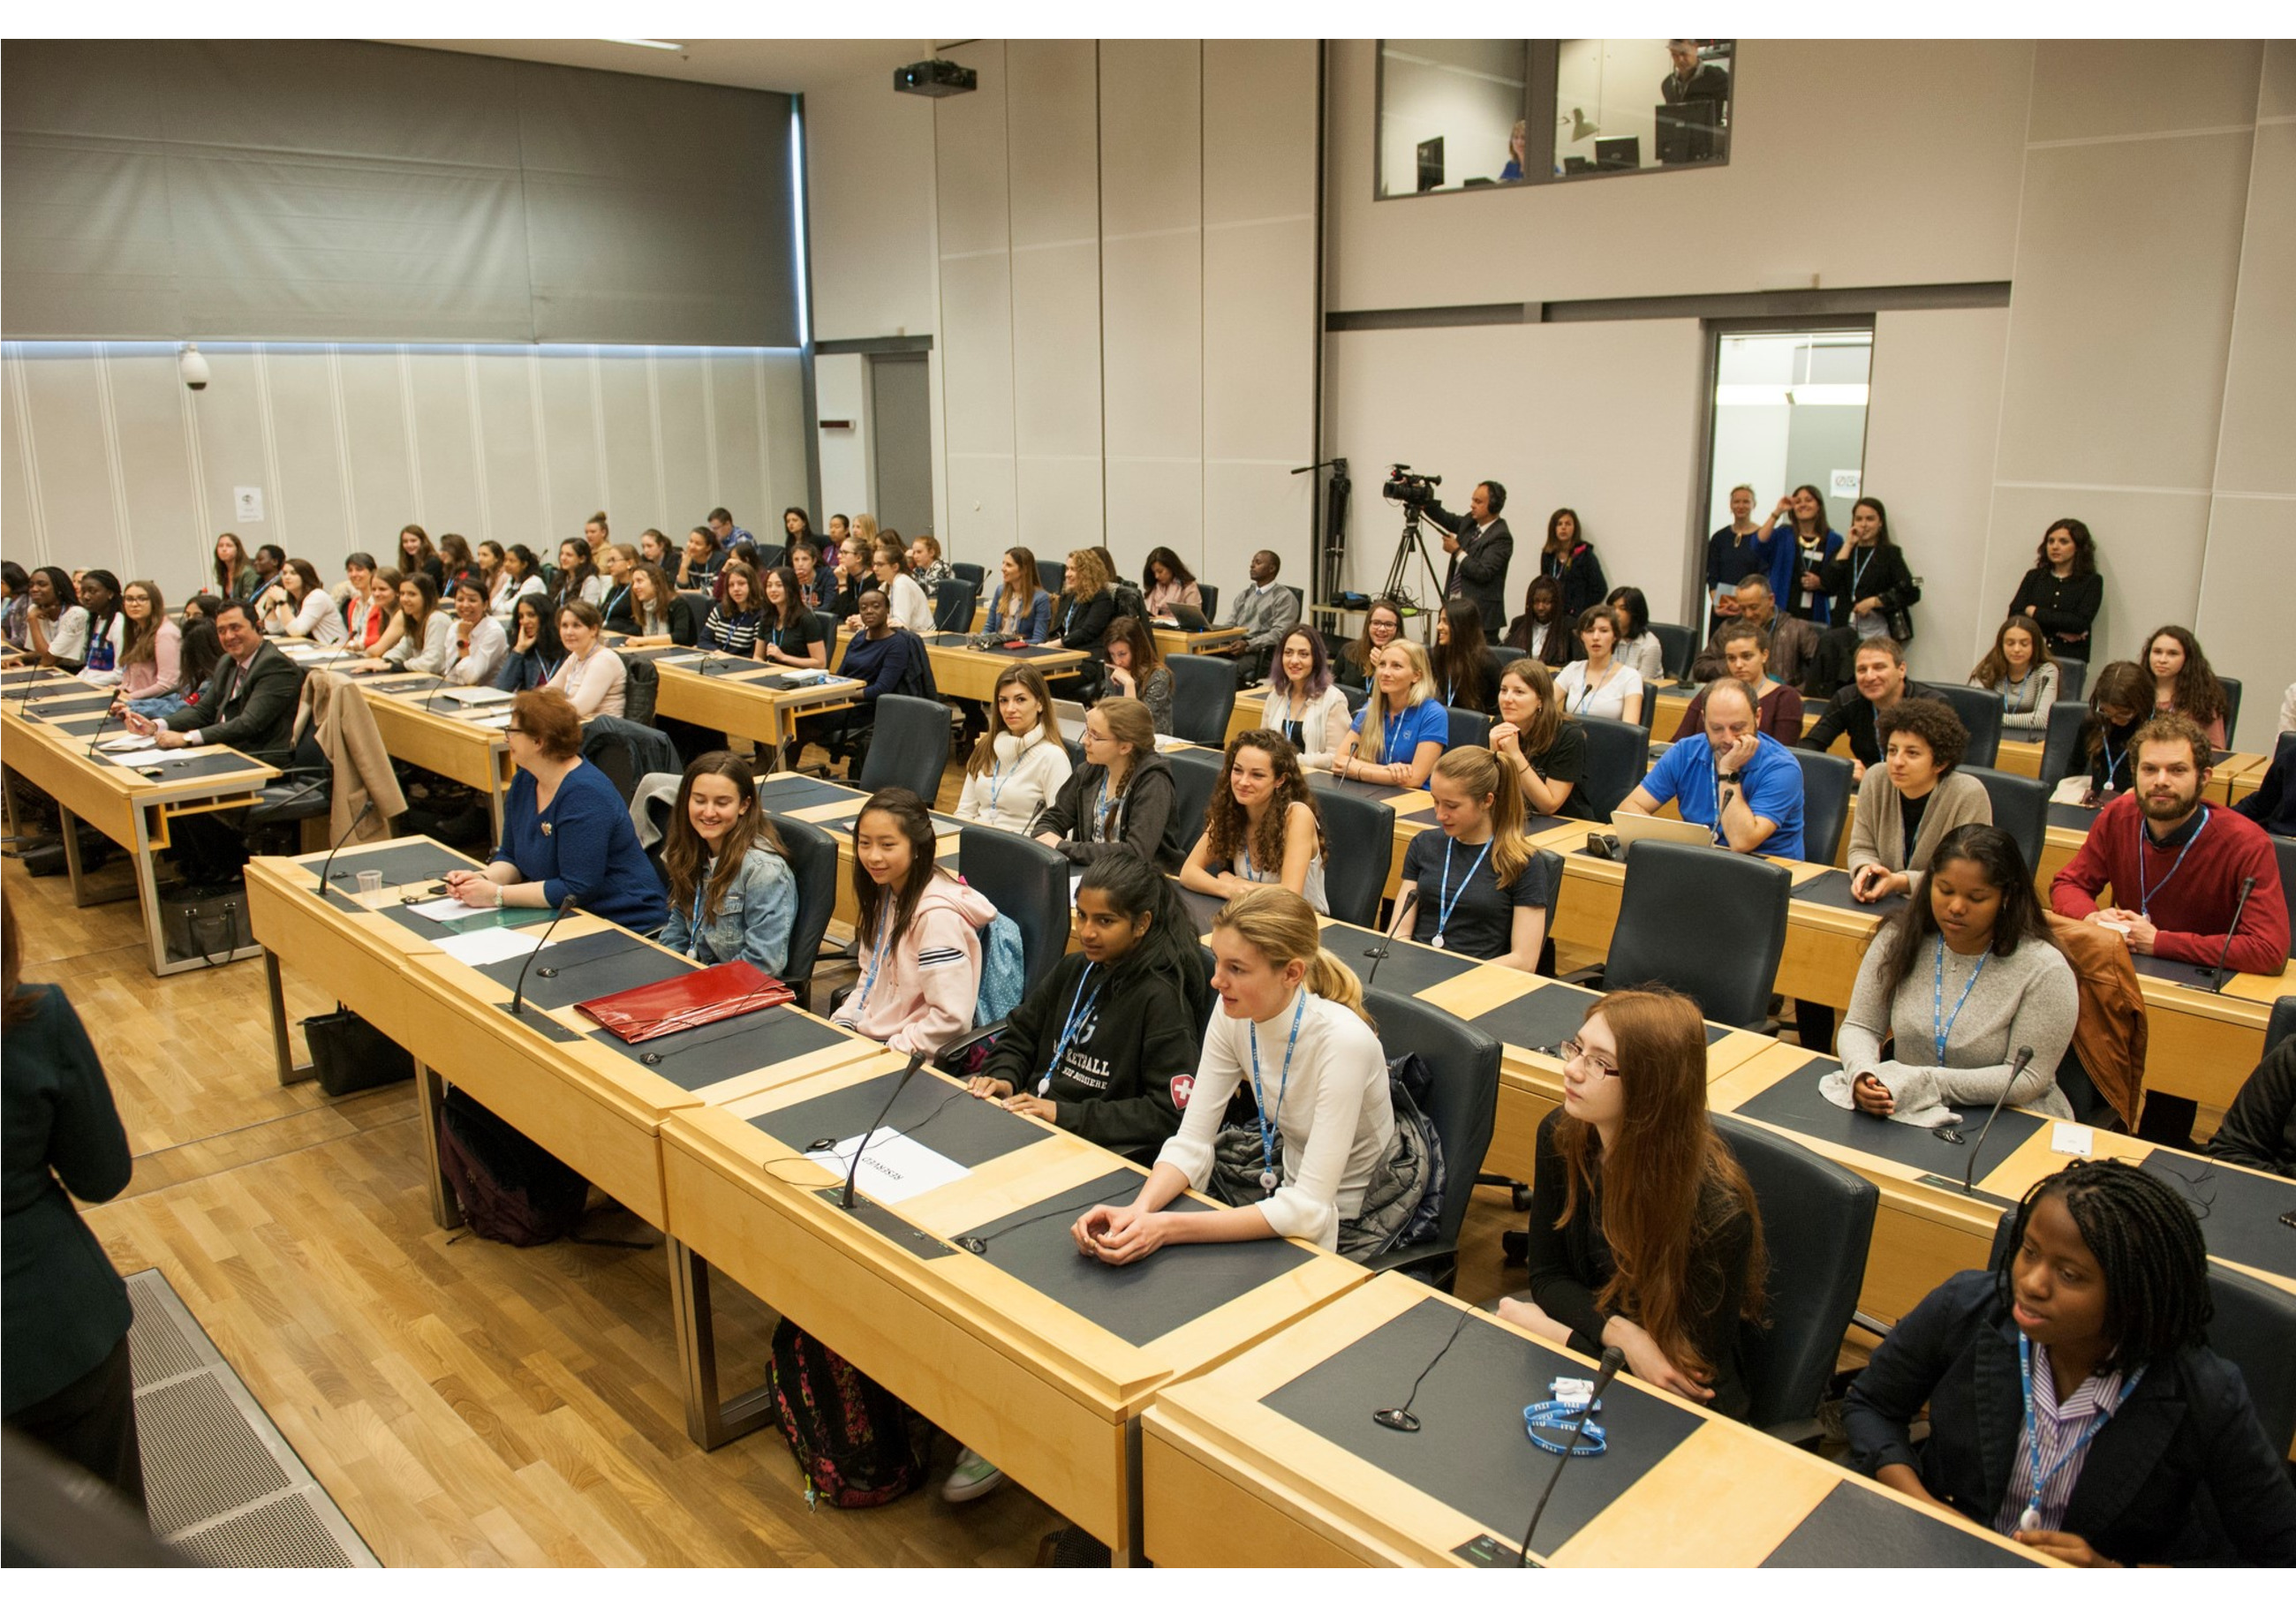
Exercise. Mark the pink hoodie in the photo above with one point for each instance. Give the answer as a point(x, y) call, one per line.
point(923, 993)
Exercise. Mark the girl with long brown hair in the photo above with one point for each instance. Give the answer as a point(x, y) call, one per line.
point(917, 931)
point(1358, 661)
point(2184, 683)
point(1262, 825)
point(2020, 669)
point(1019, 767)
point(1022, 609)
point(1643, 1230)
point(1545, 752)
point(2119, 701)
point(1481, 888)
point(732, 893)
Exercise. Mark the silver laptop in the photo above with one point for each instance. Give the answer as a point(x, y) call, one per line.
point(1630, 829)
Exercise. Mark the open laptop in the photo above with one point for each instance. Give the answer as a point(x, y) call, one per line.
point(1631, 829)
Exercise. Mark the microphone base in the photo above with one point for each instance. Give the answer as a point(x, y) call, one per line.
point(535, 1020)
point(1488, 1550)
point(2210, 982)
point(901, 1235)
point(1952, 1185)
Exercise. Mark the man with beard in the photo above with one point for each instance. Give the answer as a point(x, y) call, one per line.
point(2175, 865)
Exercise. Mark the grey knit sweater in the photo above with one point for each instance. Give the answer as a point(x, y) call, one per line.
point(2028, 998)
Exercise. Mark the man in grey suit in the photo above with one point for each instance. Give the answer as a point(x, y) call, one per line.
point(1481, 547)
point(1266, 611)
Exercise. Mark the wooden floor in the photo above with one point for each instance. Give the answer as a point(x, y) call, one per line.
point(467, 1404)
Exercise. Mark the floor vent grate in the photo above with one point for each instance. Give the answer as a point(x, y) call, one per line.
point(221, 1483)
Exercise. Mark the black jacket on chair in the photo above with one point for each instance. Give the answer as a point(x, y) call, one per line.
point(2182, 1473)
point(1478, 569)
point(252, 711)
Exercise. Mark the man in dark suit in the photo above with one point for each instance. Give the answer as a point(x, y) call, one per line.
point(1481, 547)
point(248, 704)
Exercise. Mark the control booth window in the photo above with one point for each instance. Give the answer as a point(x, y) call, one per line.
point(1632, 105)
point(1461, 114)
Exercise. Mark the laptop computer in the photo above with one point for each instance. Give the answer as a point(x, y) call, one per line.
point(1630, 828)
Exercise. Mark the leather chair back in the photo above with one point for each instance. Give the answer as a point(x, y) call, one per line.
point(812, 860)
point(2020, 807)
point(1462, 1105)
point(1203, 697)
point(2061, 749)
point(1210, 595)
point(1980, 715)
point(1677, 646)
point(2072, 678)
point(1026, 880)
point(1469, 729)
point(1195, 775)
point(1826, 791)
point(952, 604)
point(1617, 756)
point(1703, 921)
point(908, 748)
point(1358, 849)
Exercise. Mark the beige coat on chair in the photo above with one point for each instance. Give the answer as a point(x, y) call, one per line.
point(335, 709)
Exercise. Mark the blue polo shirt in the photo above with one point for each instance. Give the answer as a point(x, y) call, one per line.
point(1772, 782)
point(1395, 740)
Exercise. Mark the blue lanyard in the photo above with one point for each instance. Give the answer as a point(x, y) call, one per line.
point(614, 597)
point(2113, 765)
point(1259, 1094)
point(548, 669)
point(1388, 726)
point(1446, 900)
point(2031, 1517)
point(1101, 804)
point(1941, 1023)
point(884, 942)
point(1858, 571)
point(694, 926)
point(1080, 1011)
point(2144, 893)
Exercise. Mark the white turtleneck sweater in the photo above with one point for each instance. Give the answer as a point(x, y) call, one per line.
point(1024, 778)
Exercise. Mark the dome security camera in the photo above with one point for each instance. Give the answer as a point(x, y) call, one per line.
point(193, 367)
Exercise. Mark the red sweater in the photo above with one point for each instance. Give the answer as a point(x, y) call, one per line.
point(2192, 910)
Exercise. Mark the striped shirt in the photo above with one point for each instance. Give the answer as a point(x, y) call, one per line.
point(2059, 1427)
point(734, 633)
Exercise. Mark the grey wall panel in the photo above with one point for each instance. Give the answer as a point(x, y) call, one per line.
point(371, 389)
point(2259, 448)
point(781, 376)
point(76, 487)
point(1259, 376)
point(1059, 506)
point(976, 301)
point(574, 484)
point(2151, 545)
point(1154, 343)
point(2094, 88)
point(1056, 405)
point(690, 473)
point(1259, 110)
point(19, 512)
point(513, 465)
point(1151, 135)
point(1158, 502)
point(983, 506)
point(2126, 265)
point(229, 418)
point(1053, 148)
point(740, 488)
point(445, 455)
point(308, 509)
point(969, 159)
point(148, 404)
point(88, 229)
point(626, 429)
point(2248, 595)
point(2277, 98)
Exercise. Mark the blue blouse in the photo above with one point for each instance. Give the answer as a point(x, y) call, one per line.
point(583, 844)
point(1394, 740)
point(1036, 627)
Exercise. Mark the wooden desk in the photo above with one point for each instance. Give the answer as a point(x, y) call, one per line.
point(1026, 1379)
point(970, 673)
point(1233, 1481)
point(2248, 778)
point(49, 721)
point(1173, 638)
point(756, 702)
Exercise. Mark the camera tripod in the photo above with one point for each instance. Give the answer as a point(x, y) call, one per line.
point(1397, 582)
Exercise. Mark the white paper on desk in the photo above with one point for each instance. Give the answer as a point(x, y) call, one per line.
point(144, 758)
point(478, 694)
point(682, 658)
point(2069, 1138)
point(806, 677)
point(447, 909)
point(485, 947)
point(894, 1168)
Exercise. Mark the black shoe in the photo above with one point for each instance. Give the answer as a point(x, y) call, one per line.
point(1514, 1248)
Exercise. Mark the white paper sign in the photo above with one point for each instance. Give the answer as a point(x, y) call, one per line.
point(247, 503)
point(2070, 1138)
point(894, 1168)
point(1844, 482)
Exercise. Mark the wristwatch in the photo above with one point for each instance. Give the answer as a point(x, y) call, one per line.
point(1729, 775)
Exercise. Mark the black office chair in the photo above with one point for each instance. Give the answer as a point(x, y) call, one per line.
point(1980, 715)
point(1469, 729)
point(1359, 847)
point(2281, 1022)
point(1052, 574)
point(1617, 756)
point(1677, 646)
point(1462, 1105)
point(1026, 880)
point(1299, 598)
point(770, 558)
point(2251, 1329)
point(908, 747)
point(1210, 595)
point(972, 573)
point(640, 690)
point(2072, 678)
point(2061, 748)
point(693, 608)
point(1075, 753)
point(1203, 697)
point(303, 791)
point(2020, 807)
point(953, 606)
point(827, 619)
point(1196, 776)
point(1705, 923)
point(813, 859)
point(1826, 789)
point(1356, 697)
point(2284, 849)
point(1818, 1225)
point(2231, 685)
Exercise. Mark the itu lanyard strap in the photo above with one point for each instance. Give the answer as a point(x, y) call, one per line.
point(1446, 900)
point(1080, 1011)
point(2144, 894)
point(1268, 1118)
point(2030, 1518)
point(2112, 761)
point(693, 925)
point(1941, 1023)
point(1388, 726)
point(884, 942)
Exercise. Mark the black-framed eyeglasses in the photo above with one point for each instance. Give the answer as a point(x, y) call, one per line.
point(1575, 1049)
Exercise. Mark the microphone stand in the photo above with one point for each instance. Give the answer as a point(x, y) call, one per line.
point(106, 720)
point(2213, 978)
point(357, 821)
point(1613, 1358)
point(2016, 1069)
point(853, 1176)
point(1403, 902)
point(518, 993)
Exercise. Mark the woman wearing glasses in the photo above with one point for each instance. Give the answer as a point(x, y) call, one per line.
point(1644, 1231)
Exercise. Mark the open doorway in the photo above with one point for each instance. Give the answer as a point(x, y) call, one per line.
point(900, 442)
point(1788, 410)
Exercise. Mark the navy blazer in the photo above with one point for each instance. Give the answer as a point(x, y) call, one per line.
point(2182, 1473)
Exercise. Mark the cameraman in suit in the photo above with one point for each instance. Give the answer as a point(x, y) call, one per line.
point(1481, 547)
point(248, 704)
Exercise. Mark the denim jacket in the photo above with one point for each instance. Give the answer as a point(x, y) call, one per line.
point(753, 922)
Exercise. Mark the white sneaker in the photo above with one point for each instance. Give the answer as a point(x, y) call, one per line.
point(973, 1477)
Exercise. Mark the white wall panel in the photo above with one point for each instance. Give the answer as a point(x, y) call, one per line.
point(840, 386)
point(370, 381)
point(625, 426)
point(446, 451)
point(2248, 595)
point(147, 403)
point(684, 440)
point(76, 492)
point(779, 378)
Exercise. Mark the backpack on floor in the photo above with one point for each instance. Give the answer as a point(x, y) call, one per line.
point(509, 1186)
point(850, 1436)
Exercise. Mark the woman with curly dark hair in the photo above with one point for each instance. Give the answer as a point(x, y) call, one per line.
point(2184, 683)
point(2063, 591)
point(1262, 825)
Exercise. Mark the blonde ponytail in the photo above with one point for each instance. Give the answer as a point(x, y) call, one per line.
point(1480, 772)
point(1328, 978)
point(1282, 926)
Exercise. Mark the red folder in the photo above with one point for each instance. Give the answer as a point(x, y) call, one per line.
point(694, 999)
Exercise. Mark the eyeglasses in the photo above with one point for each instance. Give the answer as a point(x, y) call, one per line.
point(514, 729)
point(1575, 1050)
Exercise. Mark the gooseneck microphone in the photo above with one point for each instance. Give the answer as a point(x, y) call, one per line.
point(1613, 1358)
point(2214, 977)
point(2016, 1069)
point(1404, 902)
point(357, 820)
point(853, 1176)
point(518, 993)
point(108, 712)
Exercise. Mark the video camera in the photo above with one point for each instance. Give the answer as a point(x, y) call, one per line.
point(1412, 490)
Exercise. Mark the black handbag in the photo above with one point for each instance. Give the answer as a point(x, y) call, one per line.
point(212, 927)
point(350, 1054)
